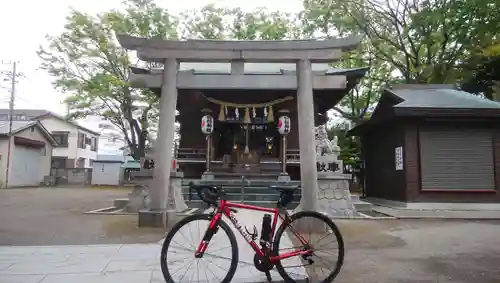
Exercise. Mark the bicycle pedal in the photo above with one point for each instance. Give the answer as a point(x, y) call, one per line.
point(268, 276)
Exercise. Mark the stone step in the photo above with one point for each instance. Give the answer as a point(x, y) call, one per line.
point(235, 193)
point(246, 197)
point(363, 206)
point(236, 181)
point(239, 190)
point(269, 204)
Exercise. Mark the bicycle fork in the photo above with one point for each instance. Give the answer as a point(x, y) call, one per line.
point(209, 233)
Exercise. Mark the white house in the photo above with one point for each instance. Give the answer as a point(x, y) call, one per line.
point(30, 155)
point(77, 146)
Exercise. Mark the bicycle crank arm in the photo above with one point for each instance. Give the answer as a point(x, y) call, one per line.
point(268, 276)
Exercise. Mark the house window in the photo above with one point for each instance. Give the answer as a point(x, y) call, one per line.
point(61, 138)
point(81, 140)
point(91, 162)
point(59, 162)
point(44, 151)
point(93, 144)
point(32, 129)
point(4, 117)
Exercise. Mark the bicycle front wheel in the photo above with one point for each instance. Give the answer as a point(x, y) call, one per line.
point(321, 236)
point(219, 262)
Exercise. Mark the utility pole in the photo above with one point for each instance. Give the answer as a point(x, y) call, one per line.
point(12, 76)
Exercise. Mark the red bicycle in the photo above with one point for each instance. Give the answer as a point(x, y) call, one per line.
point(267, 255)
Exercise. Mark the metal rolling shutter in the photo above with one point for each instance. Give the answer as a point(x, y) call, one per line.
point(456, 159)
point(25, 167)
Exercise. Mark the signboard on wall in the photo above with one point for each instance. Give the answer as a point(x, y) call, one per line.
point(399, 158)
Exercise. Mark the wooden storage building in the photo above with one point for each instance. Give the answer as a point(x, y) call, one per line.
point(432, 144)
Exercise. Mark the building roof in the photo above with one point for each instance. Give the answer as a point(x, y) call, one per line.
point(29, 113)
point(131, 164)
point(48, 113)
point(19, 126)
point(428, 101)
point(37, 114)
point(441, 98)
point(110, 158)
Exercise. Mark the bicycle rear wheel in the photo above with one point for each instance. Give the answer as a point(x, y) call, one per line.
point(324, 264)
point(178, 264)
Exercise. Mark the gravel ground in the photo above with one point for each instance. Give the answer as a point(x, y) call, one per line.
point(385, 251)
point(54, 216)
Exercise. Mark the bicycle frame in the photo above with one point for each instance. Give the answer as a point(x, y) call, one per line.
point(225, 209)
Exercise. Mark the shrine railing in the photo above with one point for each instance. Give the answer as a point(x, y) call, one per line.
point(192, 155)
point(293, 156)
point(198, 155)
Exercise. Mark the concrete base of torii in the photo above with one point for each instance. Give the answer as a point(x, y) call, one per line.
point(176, 204)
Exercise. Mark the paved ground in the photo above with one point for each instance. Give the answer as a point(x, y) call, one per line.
point(437, 214)
point(386, 251)
point(421, 251)
point(53, 216)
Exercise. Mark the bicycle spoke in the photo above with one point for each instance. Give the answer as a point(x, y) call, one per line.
point(180, 264)
point(187, 269)
point(323, 263)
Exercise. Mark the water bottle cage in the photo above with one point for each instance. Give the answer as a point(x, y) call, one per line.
point(254, 234)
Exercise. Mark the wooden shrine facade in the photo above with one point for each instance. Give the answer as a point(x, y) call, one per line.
point(253, 112)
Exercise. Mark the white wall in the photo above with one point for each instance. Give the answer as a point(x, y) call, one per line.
point(53, 125)
point(36, 135)
point(3, 159)
point(86, 153)
point(106, 173)
point(72, 151)
point(45, 160)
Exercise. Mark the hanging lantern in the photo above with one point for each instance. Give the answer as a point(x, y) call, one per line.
point(207, 124)
point(284, 125)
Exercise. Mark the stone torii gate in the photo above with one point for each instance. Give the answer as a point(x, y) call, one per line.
point(171, 53)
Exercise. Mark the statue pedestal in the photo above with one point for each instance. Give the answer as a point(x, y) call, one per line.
point(334, 197)
point(156, 218)
point(207, 176)
point(283, 178)
point(160, 218)
point(138, 199)
point(175, 199)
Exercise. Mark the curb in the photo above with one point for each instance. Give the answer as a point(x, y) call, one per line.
point(438, 217)
point(448, 218)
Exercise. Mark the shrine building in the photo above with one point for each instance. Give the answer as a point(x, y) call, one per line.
point(245, 108)
point(245, 138)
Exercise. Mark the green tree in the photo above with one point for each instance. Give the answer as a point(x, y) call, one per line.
point(350, 147)
point(87, 62)
point(357, 105)
point(212, 22)
point(319, 18)
point(425, 41)
point(485, 79)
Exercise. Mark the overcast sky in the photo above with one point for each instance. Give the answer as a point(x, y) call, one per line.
point(24, 23)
